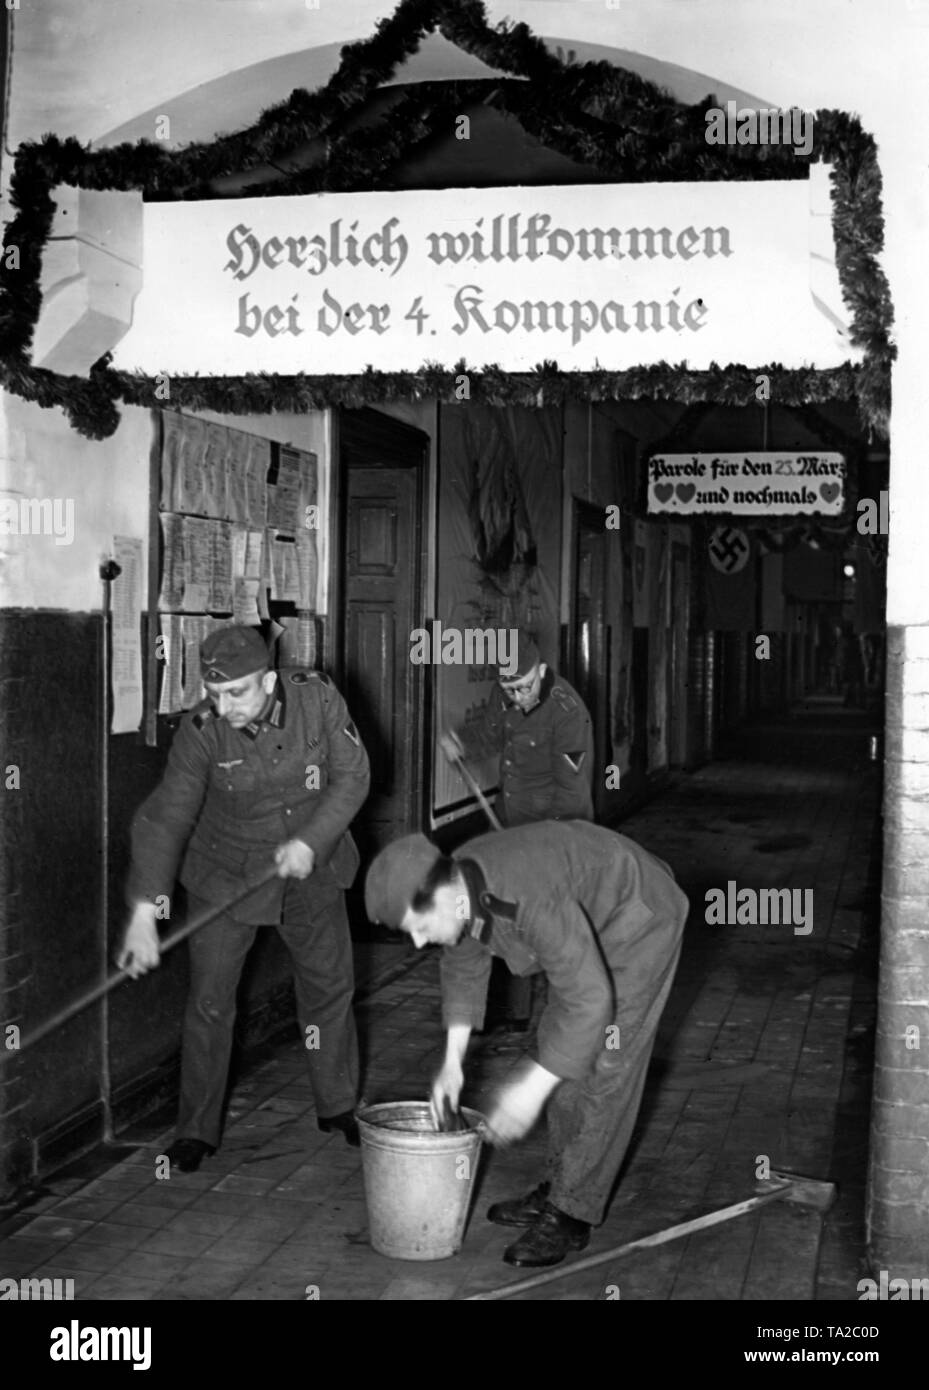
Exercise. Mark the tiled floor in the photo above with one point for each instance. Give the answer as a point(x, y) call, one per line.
point(764, 1052)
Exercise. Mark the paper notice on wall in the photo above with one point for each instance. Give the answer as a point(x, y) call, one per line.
point(259, 460)
point(172, 569)
point(172, 659)
point(220, 567)
point(189, 491)
point(193, 631)
point(268, 574)
point(254, 555)
point(285, 570)
point(237, 478)
point(238, 544)
point(126, 643)
point(246, 549)
point(198, 563)
point(284, 495)
point(245, 602)
point(297, 646)
point(170, 453)
point(307, 568)
point(213, 471)
point(291, 585)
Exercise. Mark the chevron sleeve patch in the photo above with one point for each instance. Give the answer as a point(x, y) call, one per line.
point(575, 760)
point(351, 732)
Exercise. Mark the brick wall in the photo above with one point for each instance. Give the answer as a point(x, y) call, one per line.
point(898, 1179)
point(15, 1150)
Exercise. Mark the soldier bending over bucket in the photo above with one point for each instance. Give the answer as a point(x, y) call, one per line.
point(602, 919)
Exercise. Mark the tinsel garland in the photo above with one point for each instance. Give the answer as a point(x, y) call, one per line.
point(611, 120)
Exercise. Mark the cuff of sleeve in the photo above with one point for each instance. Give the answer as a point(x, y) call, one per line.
point(323, 848)
point(468, 1017)
point(138, 892)
point(559, 1063)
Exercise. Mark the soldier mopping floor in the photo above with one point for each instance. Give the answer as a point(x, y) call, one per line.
point(269, 768)
point(602, 919)
point(538, 729)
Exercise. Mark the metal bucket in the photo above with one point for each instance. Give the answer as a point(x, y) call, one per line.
point(418, 1182)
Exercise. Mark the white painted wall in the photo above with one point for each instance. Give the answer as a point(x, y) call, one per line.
point(84, 69)
point(106, 483)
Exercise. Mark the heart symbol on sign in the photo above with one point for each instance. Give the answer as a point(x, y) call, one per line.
point(685, 491)
point(663, 491)
point(828, 491)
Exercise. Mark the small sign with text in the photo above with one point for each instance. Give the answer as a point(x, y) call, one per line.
point(779, 483)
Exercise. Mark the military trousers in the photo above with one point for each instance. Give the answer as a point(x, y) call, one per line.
point(591, 1120)
point(314, 928)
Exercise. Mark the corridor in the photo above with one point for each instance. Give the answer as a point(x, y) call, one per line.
point(765, 1050)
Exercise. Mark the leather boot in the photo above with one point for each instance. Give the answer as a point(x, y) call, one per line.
point(520, 1211)
point(187, 1154)
point(552, 1235)
point(345, 1124)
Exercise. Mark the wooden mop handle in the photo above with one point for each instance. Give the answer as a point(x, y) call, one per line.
point(486, 807)
point(684, 1228)
point(98, 991)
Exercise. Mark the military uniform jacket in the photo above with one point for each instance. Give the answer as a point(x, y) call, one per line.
point(592, 910)
point(231, 796)
point(546, 756)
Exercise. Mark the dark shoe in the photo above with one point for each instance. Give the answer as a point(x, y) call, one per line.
point(187, 1154)
point(520, 1211)
point(346, 1123)
point(554, 1235)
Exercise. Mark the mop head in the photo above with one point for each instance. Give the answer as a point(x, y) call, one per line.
point(805, 1192)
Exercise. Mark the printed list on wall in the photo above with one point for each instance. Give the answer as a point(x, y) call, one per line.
point(238, 528)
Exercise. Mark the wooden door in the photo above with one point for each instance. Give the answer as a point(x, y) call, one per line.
point(382, 463)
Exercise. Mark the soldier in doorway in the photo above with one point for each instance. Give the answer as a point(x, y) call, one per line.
point(852, 666)
point(268, 769)
point(539, 727)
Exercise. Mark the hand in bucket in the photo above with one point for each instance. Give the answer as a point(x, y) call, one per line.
point(446, 1090)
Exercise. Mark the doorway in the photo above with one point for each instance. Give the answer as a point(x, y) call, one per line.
point(381, 478)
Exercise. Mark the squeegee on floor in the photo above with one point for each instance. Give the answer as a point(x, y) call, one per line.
point(806, 1192)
